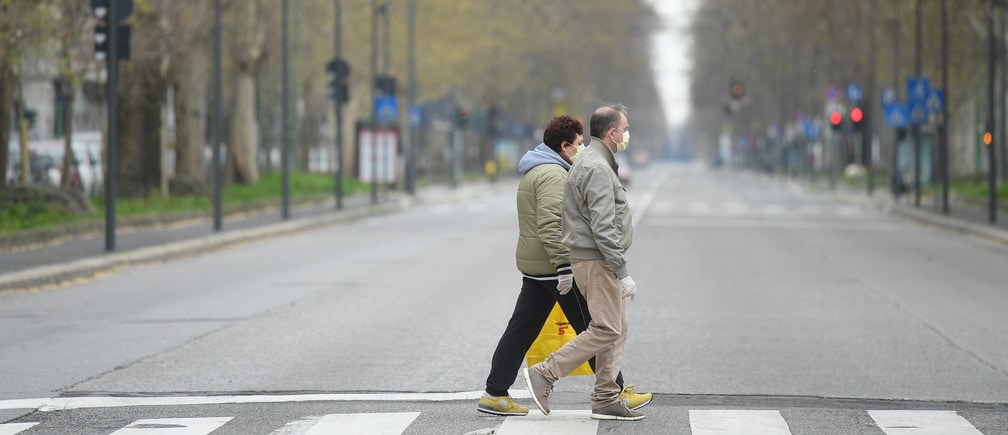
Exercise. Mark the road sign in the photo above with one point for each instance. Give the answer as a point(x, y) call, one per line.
point(918, 112)
point(810, 128)
point(414, 116)
point(854, 93)
point(897, 116)
point(917, 89)
point(386, 109)
point(888, 96)
point(935, 102)
point(832, 93)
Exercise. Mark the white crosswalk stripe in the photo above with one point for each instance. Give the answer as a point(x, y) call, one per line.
point(715, 421)
point(173, 426)
point(559, 422)
point(923, 423)
point(13, 428)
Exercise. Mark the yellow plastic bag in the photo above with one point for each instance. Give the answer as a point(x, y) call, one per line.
point(556, 332)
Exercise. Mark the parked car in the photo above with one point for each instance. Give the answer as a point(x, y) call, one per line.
point(86, 172)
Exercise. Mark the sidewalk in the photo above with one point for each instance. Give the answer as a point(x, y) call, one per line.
point(50, 259)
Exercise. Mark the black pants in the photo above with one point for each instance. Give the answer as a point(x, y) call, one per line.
point(531, 310)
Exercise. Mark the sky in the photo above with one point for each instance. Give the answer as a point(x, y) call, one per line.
point(670, 53)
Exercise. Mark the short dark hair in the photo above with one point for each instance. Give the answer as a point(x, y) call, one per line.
point(561, 129)
point(604, 118)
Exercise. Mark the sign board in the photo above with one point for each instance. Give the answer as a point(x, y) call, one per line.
point(935, 102)
point(810, 129)
point(917, 89)
point(854, 93)
point(897, 115)
point(386, 109)
point(377, 156)
point(918, 112)
point(414, 117)
point(888, 96)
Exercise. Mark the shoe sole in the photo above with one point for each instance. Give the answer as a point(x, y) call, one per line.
point(528, 383)
point(642, 404)
point(595, 416)
point(480, 408)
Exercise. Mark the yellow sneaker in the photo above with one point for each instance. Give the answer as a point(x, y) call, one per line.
point(501, 405)
point(634, 400)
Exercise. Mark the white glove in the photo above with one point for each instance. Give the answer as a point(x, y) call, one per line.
point(629, 287)
point(566, 283)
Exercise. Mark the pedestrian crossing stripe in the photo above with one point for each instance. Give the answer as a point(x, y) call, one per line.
point(923, 422)
point(559, 422)
point(712, 422)
point(13, 428)
point(173, 426)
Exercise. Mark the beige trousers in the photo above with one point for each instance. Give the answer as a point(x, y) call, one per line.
point(605, 337)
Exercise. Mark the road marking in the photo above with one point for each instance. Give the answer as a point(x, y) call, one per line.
point(63, 403)
point(391, 423)
point(173, 426)
point(13, 428)
point(559, 422)
point(923, 422)
point(703, 422)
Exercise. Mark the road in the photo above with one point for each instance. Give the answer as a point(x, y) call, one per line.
point(763, 308)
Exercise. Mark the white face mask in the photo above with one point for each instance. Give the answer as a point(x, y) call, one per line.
point(579, 149)
point(622, 146)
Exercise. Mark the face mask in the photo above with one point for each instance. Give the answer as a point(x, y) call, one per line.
point(579, 149)
point(622, 146)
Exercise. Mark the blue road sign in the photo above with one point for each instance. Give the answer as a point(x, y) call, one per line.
point(888, 96)
point(832, 93)
point(935, 102)
point(854, 93)
point(918, 112)
point(811, 129)
point(917, 89)
point(386, 109)
point(897, 115)
point(414, 116)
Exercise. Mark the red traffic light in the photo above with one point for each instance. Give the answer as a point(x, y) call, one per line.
point(856, 115)
point(835, 118)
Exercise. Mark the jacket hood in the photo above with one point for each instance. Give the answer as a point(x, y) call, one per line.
point(540, 155)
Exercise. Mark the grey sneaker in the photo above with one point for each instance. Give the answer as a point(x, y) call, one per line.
point(540, 387)
point(616, 411)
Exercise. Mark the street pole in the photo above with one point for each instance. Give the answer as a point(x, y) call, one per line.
point(218, 127)
point(110, 89)
point(387, 171)
point(869, 120)
point(916, 128)
point(411, 131)
point(338, 43)
point(374, 102)
point(285, 91)
point(992, 147)
point(943, 129)
point(896, 178)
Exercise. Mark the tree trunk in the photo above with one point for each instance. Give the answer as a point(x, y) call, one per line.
point(190, 115)
point(138, 151)
point(244, 130)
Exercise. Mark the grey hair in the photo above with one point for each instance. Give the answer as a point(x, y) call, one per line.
point(604, 118)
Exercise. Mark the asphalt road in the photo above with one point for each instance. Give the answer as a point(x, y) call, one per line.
point(755, 295)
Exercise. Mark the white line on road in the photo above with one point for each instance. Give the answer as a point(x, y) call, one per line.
point(13, 428)
point(173, 426)
point(559, 422)
point(923, 422)
point(391, 423)
point(62, 403)
point(763, 422)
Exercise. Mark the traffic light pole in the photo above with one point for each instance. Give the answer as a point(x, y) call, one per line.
point(916, 128)
point(112, 69)
point(338, 32)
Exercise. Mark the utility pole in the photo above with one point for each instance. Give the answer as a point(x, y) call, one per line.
point(374, 102)
point(943, 129)
point(338, 157)
point(991, 147)
point(218, 127)
point(916, 128)
point(110, 89)
point(411, 139)
point(284, 122)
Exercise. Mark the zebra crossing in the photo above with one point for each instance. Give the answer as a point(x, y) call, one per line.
point(559, 422)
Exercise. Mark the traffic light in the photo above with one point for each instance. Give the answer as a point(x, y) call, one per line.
point(856, 116)
point(101, 11)
point(461, 117)
point(337, 72)
point(836, 120)
point(737, 89)
point(385, 85)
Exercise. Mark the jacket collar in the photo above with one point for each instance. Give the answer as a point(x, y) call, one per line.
point(604, 151)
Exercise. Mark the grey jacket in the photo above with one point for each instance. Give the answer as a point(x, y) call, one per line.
point(596, 222)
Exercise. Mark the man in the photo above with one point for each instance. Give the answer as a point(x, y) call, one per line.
point(597, 228)
point(544, 263)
